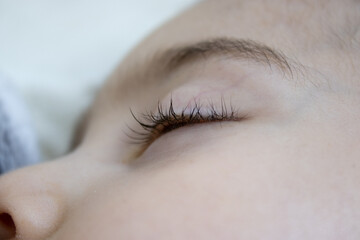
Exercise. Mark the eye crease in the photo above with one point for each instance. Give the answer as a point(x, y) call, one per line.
point(164, 120)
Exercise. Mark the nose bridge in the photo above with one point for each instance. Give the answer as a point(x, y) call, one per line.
point(33, 200)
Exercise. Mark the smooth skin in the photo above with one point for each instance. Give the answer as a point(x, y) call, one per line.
point(289, 171)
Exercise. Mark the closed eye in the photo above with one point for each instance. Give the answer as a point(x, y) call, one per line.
point(156, 124)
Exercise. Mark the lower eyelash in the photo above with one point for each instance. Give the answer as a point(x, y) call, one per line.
point(155, 124)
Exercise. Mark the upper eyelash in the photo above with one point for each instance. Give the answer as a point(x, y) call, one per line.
point(162, 121)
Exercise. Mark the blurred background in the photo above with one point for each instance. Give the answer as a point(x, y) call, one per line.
point(58, 53)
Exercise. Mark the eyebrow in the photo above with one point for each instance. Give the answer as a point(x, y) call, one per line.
point(241, 49)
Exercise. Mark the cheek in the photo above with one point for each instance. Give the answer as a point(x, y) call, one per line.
point(189, 202)
point(255, 182)
point(197, 195)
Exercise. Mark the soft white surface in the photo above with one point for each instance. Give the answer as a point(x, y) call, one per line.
point(59, 52)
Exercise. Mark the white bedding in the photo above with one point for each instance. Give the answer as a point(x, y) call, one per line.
point(58, 53)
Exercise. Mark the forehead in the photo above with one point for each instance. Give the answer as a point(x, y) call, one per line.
point(321, 34)
point(276, 22)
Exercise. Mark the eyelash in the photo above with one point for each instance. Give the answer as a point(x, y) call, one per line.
point(155, 124)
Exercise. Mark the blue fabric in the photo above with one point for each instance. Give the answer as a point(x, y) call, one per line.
point(18, 145)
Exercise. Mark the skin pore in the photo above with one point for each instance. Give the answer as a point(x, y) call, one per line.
point(286, 168)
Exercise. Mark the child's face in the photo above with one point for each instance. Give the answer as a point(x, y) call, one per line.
point(285, 166)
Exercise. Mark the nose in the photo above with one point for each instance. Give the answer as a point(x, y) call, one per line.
point(31, 203)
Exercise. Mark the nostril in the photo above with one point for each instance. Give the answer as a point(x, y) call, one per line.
point(7, 227)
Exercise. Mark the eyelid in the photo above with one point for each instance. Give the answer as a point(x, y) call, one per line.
point(155, 124)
